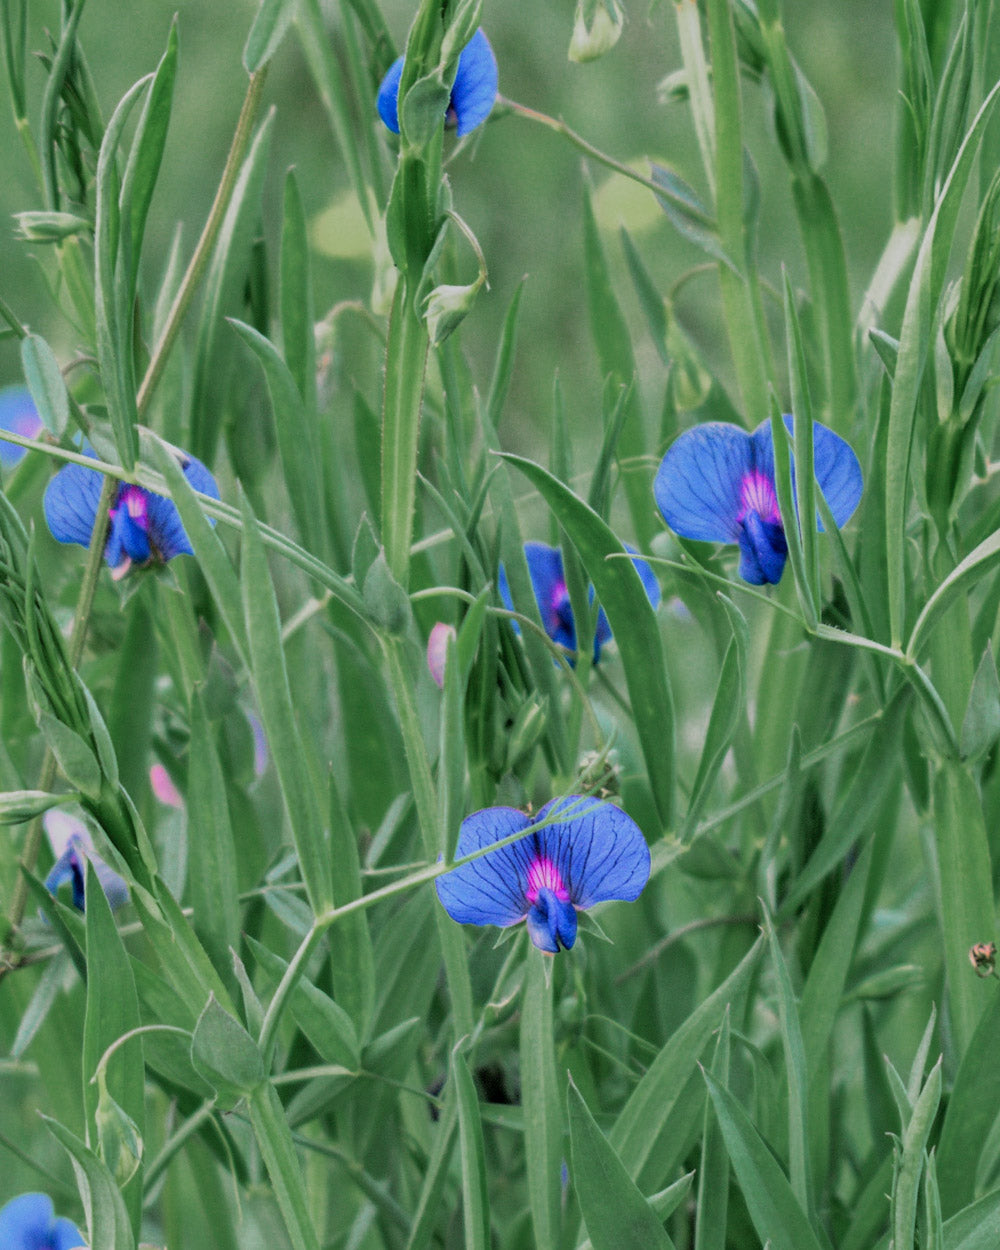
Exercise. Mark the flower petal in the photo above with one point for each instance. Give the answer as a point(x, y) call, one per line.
point(26, 1223)
point(838, 471)
point(548, 581)
point(476, 82)
point(166, 530)
point(70, 503)
point(387, 101)
point(19, 415)
point(490, 890)
point(698, 483)
point(599, 851)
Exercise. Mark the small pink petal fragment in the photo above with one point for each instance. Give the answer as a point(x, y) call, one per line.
point(544, 875)
point(163, 787)
point(437, 650)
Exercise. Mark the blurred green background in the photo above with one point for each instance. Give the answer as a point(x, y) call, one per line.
point(519, 191)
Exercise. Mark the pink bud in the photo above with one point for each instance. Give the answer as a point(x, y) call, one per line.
point(163, 787)
point(437, 649)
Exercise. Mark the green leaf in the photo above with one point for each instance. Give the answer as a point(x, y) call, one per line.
point(326, 1024)
point(724, 721)
point(225, 1054)
point(503, 369)
point(475, 1195)
point(146, 154)
point(617, 1216)
point(298, 333)
point(76, 759)
point(18, 806)
point(543, 1135)
point(921, 306)
point(977, 1227)
point(911, 1161)
point(427, 1214)
point(805, 470)
point(45, 381)
point(212, 882)
point(795, 1072)
point(274, 697)
point(955, 586)
point(112, 288)
point(981, 726)
point(269, 28)
point(713, 1175)
point(645, 1135)
point(107, 1219)
point(112, 1011)
point(772, 1205)
point(274, 1139)
point(633, 623)
point(296, 439)
point(617, 361)
point(225, 281)
point(971, 1112)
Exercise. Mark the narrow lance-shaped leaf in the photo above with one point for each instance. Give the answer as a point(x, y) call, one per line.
point(540, 1101)
point(617, 1215)
point(274, 698)
point(633, 624)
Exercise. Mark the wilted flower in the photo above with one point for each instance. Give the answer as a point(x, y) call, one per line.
point(472, 96)
point(716, 484)
point(19, 415)
point(145, 528)
point(548, 581)
point(28, 1222)
point(595, 853)
point(72, 846)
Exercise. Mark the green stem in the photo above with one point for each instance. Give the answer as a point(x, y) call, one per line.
point(199, 261)
point(405, 367)
point(578, 141)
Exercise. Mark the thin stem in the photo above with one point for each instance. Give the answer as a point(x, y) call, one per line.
point(602, 158)
point(199, 261)
point(678, 935)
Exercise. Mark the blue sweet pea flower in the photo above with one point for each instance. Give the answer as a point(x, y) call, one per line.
point(548, 581)
point(72, 847)
point(472, 95)
point(595, 854)
point(716, 485)
point(145, 528)
point(19, 415)
point(29, 1223)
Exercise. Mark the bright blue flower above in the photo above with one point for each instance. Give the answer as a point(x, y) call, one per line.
point(548, 581)
point(145, 528)
point(28, 1223)
point(596, 853)
point(472, 96)
point(716, 484)
point(19, 415)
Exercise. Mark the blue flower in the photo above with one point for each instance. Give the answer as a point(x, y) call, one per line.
point(72, 847)
point(472, 95)
point(548, 581)
point(595, 854)
point(28, 1223)
point(144, 528)
point(716, 485)
point(19, 415)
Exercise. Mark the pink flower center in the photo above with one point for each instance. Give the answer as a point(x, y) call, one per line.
point(544, 875)
point(757, 495)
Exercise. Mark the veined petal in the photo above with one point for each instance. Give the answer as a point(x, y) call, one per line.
point(28, 1223)
point(476, 82)
point(599, 852)
point(68, 867)
point(698, 484)
point(838, 471)
point(70, 503)
point(492, 889)
point(387, 100)
point(166, 531)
